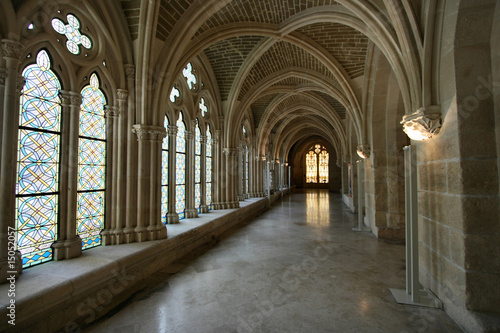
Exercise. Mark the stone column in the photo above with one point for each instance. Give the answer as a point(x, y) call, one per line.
point(217, 171)
point(111, 113)
point(69, 244)
point(240, 173)
point(172, 216)
point(13, 85)
point(120, 149)
point(190, 210)
point(231, 178)
point(148, 198)
point(131, 168)
point(203, 179)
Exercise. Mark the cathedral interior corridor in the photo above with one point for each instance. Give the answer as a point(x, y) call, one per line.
point(337, 160)
point(298, 267)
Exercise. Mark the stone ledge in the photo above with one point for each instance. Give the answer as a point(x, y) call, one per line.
point(65, 296)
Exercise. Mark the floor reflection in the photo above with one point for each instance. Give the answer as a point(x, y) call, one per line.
point(318, 208)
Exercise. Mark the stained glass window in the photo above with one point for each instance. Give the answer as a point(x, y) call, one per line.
point(38, 162)
point(180, 171)
point(317, 165)
point(323, 166)
point(72, 33)
point(203, 107)
point(174, 94)
point(190, 77)
point(311, 173)
point(91, 165)
point(208, 172)
point(197, 168)
point(164, 175)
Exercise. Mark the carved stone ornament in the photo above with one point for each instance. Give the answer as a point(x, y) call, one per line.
point(172, 130)
point(122, 94)
point(129, 71)
point(75, 99)
point(11, 49)
point(230, 151)
point(111, 112)
point(422, 124)
point(3, 76)
point(149, 133)
point(363, 151)
point(65, 97)
point(21, 81)
point(188, 135)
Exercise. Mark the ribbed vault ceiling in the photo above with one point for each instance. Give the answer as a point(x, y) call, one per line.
point(245, 62)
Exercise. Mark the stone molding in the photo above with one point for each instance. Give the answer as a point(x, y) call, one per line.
point(149, 133)
point(172, 130)
point(188, 135)
point(425, 123)
point(364, 151)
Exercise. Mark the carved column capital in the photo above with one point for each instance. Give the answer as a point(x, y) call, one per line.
point(203, 139)
point(122, 94)
point(129, 71)
point(70, 98)
point(188, 135)
point(11, 49)
point(172, 131)
point(111, 112)
point(364, 151)
point(230, 151)
point(149, 133)
point(423, 124)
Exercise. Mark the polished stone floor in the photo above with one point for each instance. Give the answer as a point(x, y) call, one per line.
point(299, 267)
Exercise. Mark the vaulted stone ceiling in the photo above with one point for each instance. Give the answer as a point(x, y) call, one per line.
point(243, 63)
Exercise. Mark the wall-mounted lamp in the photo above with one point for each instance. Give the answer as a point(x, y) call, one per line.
point(363, 151)
point(423, 124)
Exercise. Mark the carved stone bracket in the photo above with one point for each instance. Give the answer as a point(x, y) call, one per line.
point(364, 151)
point(149, 133)
point(423, 124)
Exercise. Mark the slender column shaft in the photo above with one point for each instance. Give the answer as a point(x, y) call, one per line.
point(172, 216)
point(9, 154)
point(203, 178)
point(131, 180)
point(121, 168)
point(191, 211)
point(69, 245)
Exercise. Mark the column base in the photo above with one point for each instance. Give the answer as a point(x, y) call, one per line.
point(191, 213)
point(204, 209)
point(141, 234)
point(172, 218)
point(128, 235)
point(117, 236)
point(157, 232)
point(107, 239)
point(217, 206)
point(67, 249)
point(9, 269)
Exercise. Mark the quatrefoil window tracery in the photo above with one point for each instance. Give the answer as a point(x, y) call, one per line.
point(72, 33)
